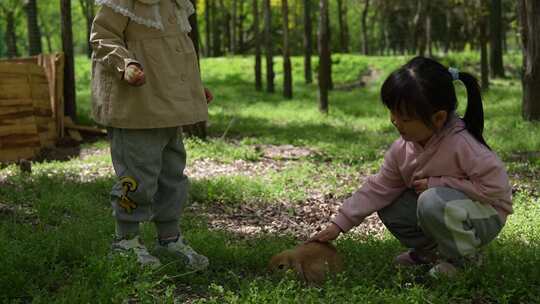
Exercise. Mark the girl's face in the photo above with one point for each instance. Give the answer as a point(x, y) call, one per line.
point(411, 129)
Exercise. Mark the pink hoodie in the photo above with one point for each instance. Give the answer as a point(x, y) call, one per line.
point(451, 158)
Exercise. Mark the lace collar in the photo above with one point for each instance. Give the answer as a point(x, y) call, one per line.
point(151, 17)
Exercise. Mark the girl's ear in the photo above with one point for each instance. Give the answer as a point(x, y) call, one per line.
point(439, 119)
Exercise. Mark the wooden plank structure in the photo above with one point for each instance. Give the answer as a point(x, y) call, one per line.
point(53, 64)
point(31, 105)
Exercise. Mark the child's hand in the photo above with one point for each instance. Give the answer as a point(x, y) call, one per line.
point(134, 75)
point(208, 95)
point(330, 233)
point(420, 185)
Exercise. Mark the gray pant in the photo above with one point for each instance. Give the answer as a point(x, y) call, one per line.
point(444, 218)
point(151, 186)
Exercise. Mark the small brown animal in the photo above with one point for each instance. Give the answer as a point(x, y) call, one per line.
point(310, 261)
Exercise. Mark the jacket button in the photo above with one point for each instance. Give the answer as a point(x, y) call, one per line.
point(172, 19)
point(183, 77)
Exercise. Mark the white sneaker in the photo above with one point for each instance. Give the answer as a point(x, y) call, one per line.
point(178, 248)
point(449, 269)
point(134, 245)
point(443, 269)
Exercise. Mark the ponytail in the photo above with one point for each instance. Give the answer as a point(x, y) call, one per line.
point(474, 114)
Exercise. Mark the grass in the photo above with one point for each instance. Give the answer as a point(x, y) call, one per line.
point(55, 244)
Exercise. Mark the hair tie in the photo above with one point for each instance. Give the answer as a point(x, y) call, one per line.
point(454, 72)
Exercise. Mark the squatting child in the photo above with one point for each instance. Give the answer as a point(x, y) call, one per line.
point(441, 190)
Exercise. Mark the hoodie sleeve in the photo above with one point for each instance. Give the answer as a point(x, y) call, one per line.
point(107, 40)
point(379, 191)
point(486, 181)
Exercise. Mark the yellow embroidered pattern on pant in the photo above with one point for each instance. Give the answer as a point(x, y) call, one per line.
point(128, 185)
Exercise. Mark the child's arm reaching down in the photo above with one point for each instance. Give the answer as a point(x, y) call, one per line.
point(377, 192)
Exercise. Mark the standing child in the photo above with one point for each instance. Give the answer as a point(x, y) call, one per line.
point(441, 190)
point(145, 85)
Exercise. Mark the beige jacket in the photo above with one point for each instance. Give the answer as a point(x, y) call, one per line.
point(152, 33)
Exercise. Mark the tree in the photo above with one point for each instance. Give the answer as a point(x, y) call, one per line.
point(343, 26)
point(529, 12)
point(484, 67)
point(428, 29)
point(226, 23)
point(365, 39)
point(233, 26)
point(448, 27)
point(477, 12)
point(10, 10)
point(2, 46)
point(88, 11)
point(50, 31)
point(496, 33)
point(257, 42)
point(419, 27)
point(287, 73)
point(240, 25)
point(208, 25)
point(308, 41)
point(216, 29)
point(268, 46)
point(69, 66)
point(34, 35)
point(324, 56)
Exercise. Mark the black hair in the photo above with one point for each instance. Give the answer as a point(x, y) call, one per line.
point(423, 87)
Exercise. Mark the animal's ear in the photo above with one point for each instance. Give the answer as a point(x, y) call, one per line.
point(272, 264)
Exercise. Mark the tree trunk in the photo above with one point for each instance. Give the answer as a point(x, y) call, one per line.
point(233, 26)
point(308, 41)
point(87, 7)
point(386, 37)
point(496, 32)
point(2, 45)
point(529, 11)
point(484, 66)
point(428, 34)
point(257, 41)
point(34, 34)
point(324, 56)
point(240, 22)
point(70, 108)
point(329, 33)
point(428, 28)
point(419, 30)
point(46, 33)
point(268, 46)
point(448, 24)
point(48, 38)
point(11, 35)
point(226, 23)
point(216, 29)
point(208, 26)
point(343, 26)
point(287, 73)
point(365, 39)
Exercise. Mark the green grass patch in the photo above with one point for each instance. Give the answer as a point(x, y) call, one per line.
point(55, 237)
